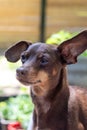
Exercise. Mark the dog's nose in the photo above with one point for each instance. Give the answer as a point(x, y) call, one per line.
point(21, 71)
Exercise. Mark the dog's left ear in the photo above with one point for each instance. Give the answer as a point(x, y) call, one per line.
point(13, 53)
point(71, 49)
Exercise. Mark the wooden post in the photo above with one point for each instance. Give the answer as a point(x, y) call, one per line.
point(43, 20)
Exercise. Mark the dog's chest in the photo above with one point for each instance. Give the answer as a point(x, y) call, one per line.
point(53, 122)
point(59, 125)
point(50, 116)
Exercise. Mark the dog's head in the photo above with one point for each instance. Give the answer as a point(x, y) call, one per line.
point(42, 63)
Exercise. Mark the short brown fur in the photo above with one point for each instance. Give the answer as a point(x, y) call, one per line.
point(57, 106)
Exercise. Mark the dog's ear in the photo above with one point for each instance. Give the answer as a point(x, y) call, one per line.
point(72, 48)
point(13, 53)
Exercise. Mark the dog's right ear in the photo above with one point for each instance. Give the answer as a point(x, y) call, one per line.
point(13, 53)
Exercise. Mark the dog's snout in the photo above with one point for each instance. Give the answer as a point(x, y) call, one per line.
point(21, 71)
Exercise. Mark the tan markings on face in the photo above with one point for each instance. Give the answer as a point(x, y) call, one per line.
point(43, 76)
point(54, 72)
point(41, 88)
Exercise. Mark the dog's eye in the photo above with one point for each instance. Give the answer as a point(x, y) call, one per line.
point(44, 61)
point(23, 58)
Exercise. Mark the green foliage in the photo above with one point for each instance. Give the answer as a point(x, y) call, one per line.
point(17, 109)
point(61, 36)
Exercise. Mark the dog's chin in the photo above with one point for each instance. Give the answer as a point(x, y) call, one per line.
point(28, 83)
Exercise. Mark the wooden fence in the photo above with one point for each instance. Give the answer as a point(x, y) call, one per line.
point(20, 19)
point(66, 14)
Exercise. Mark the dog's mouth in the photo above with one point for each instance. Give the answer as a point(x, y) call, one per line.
point(25, 82)
point(38, 81)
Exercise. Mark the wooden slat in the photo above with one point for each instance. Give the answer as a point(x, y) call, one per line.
point(66, 14)
point(66, 2)
point(19, 20)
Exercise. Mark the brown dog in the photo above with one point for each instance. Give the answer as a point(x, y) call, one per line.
point(57, 106)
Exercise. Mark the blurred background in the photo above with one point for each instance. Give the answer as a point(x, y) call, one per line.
point(50, 21)
point(23, 19)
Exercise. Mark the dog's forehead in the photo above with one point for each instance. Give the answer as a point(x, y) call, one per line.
point(40, 47)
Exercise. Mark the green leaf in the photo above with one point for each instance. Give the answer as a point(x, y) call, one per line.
point(18, 109)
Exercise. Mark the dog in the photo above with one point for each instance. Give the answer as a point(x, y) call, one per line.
point(57, 106)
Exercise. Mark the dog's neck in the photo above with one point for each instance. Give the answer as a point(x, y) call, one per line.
point(56, 96)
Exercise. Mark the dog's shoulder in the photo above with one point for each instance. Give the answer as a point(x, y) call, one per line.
point(78, 98)
point(77, 107)
point(81, 92)
point(78, 93)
